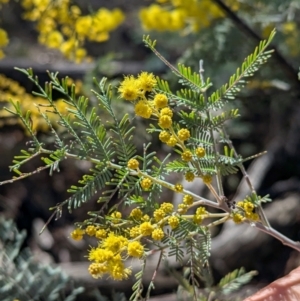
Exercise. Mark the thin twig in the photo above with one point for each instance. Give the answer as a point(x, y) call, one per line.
point(284, 240)
point(219, 178)
point(154, 275)
point(247, 179)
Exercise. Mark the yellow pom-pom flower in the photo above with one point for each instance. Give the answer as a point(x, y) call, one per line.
point(146, 183)
point(97, 270)
point(133, 164)
point(182, 208)
point(189, 176)
point(199, 215)
point(129, 88)
point(187, 156)
point(114, 243)
point(91, 230)
point(136, 214)
point(200, 152)
point(167, 207)
point(135, 249)
point(77, 234)
point(254, 217)
point(146, 228)
point(164, 136)
point(3, 38)
point(165, 121)
point(54, 39)
point(116, 216)
point(134, 232)
point(143, 109)
point(248, 206)
point(100, 255)
point(201, 211)
point(83, 25)
point(207, 179)
point(158, 234)
point(173, 221)
point(188, 199)
point(146, 218)
point(178, 187)
point(159, 214)
point(101, 234)
point(146, 81)
point(172, 141)
point(117, 270)
point(166, 111)
point(183, 134)
point(237, 218)
point(160, 101)
point(240, 204)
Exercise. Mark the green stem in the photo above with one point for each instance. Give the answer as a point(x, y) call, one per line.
point(219, 221)
point(216, 154)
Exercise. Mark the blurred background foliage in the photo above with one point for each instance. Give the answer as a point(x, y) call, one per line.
point(96, 38)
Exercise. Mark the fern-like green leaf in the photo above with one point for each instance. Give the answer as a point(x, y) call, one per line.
point(234, 280)
point(237, 81)
point(22, 278)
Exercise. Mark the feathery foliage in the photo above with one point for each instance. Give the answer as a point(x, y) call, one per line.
point(192, 125)
point(22, 278)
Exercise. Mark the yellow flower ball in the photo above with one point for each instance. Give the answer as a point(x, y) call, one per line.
point(158, 234)
point(183, 134)
point(200, 152)
point(77, 234)
point(135, 249)
point(165, 121)
point(187, 156)
point(134, 232)
point(101, 234)
point(189, 176)
point(173, 221)
point(146, 228)
point(164, 136)
point(237, 218)
point(146, 81)
point(129, 89)
point(143, 109)
point(91, 230)
point(178, 187)
point(167, 207)
point(136, 214)
point(182, 208)
point(172, 141)
point(160, 101)
point(133, 164)
point(146, 183)
point(188, 199)
point(166, 111)
point(207, 179)
point(3, 38)
point(97, 270)
point(159, 214)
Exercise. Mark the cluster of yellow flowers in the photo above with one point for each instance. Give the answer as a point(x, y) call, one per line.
point(181, 14)
point(62, 26)
point(11, 90)
point(245, 210)
point(121, 238)
point(3, 41)
point(148, 103)
point(3, 34)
